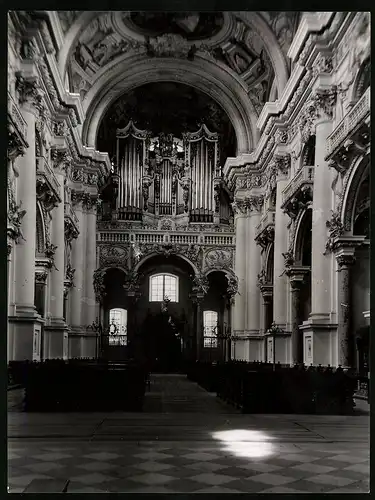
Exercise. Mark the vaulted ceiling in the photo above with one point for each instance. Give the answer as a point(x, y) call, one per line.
point(241, 44)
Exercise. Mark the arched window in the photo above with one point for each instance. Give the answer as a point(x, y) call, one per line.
point(162, 286)
point(118, 320)
point(210, 324)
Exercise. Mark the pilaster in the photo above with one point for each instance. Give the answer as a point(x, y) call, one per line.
point(24, 325)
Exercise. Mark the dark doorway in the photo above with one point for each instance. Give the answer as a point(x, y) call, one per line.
point(161, 343)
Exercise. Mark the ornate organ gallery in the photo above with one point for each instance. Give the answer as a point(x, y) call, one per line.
point(168, 176)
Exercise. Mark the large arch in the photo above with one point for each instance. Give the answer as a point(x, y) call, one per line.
point(358, 172)
point(215, 80)
point(149, 256)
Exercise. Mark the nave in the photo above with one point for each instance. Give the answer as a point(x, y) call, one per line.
point(185, 441)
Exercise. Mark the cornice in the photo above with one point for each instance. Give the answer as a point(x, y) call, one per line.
point(312, 22)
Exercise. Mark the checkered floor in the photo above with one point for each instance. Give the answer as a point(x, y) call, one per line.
point(183, 469)
point(187, 452)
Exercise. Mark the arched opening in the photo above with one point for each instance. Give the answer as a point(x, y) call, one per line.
point(210, 327)
point(360, 278)
point(215, 319)
point(118, 322)
point(114, 345)
point(163, 286)
point(163, 323)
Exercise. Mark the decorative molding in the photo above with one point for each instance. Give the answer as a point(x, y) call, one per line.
point(248, 205)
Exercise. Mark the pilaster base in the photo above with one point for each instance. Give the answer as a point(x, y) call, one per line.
point(55, 343)
point(82, 343)
point(278, 348)
point(25, 336)
point(320, 345)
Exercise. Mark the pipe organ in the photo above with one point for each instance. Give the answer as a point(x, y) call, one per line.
point(166, 175)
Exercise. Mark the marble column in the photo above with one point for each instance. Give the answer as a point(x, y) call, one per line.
point(280, 246)
point(24, 327)
point(321, 305)
point(345, 262)
point(55, 333)
point(239, 307)
point(78, 263)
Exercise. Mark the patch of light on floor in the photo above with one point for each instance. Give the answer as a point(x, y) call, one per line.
point(245, 443)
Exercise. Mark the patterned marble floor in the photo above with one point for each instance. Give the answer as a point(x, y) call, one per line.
point(187, 441)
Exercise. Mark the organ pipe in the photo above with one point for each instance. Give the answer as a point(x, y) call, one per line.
point(200, 157)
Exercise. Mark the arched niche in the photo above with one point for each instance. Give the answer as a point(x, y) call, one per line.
point(269, 263)
point(40, 239)
point(115, 296)
point(302, 246)
point(303, 253)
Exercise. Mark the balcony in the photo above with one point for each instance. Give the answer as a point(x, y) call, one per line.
point(355, 117)
point(299, 191)
point(158, 237)
point(265, 230)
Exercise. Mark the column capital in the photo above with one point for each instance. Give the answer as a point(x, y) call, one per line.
point(41, 277)
point(318, 109)
point(346, 245)
point(297, 276)
point(248, 205)
point(345, 260)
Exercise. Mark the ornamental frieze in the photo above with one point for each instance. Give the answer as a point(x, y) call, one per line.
point(111, 255)
point(218, 259)
point(248, 205)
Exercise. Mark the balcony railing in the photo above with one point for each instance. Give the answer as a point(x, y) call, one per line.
point(159, 237)
point(349, 123)
point(267, 220)
point(304, 176)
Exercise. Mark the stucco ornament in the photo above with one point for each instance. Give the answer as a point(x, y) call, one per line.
point(169, 45)
point(218, 259)
point(232, 288)
point(335, 229)
point(99, 286)
point(200, 283)
point(111, 255)
point(49, 252)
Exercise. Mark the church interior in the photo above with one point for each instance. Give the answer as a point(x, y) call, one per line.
point(188, 252)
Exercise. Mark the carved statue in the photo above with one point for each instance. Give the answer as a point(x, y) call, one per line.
point(335, 228)
point(69, 274)
point(49, 252)
point(15, 216)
